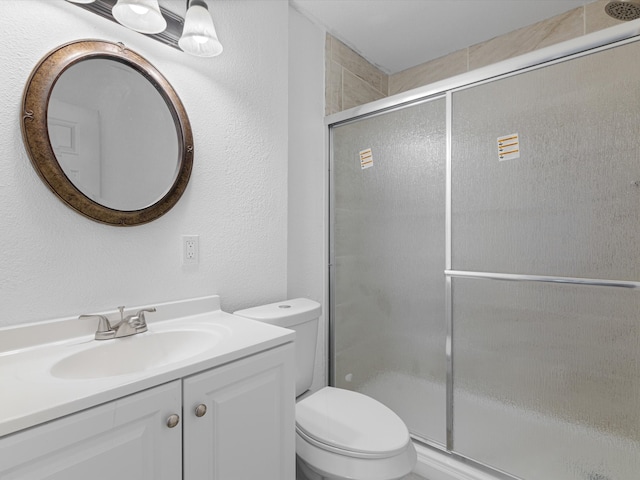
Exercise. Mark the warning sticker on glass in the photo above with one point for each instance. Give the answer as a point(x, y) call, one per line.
point(366, 158)
point(508, 147)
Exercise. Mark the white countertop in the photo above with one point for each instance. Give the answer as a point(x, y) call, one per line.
point(30, 394)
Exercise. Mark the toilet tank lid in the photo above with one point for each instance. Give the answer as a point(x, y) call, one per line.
point(284, 314)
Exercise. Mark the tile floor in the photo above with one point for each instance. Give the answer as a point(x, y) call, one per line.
point(413, 476)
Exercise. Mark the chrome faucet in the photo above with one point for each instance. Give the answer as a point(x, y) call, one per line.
point(129, 325)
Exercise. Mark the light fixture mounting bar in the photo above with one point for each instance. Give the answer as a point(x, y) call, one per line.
point(170, 36)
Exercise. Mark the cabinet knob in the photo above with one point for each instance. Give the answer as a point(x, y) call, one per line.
point(173, 420)
point(201, 410)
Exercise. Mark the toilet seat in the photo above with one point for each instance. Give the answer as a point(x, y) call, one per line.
point(343, 452)
point(350, 424)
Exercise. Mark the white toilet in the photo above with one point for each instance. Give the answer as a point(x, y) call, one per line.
point(340, 434)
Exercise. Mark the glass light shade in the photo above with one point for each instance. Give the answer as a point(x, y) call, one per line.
point(143, 16)
point(199, 36)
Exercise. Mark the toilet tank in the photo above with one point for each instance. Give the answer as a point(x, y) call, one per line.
point(301, 315)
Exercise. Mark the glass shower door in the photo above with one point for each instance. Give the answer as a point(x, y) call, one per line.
point(388, 252)
point(545, 249)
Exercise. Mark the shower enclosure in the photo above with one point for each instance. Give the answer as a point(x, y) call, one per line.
point(485, 266)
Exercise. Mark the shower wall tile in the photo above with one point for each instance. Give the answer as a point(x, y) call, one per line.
point(596, 18)
point(333, 88)
point(527, 39)
point(356, 91)
point(358, 65)
point(350, 80)
point(429, 72)
point(572, 24)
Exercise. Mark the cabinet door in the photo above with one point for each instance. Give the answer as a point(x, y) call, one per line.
point(248, 430)
point(127, 439)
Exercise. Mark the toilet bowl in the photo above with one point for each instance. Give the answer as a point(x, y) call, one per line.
point(344, 434)
point(340, 434)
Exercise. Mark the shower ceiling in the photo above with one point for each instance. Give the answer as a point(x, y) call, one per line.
point(388, 32)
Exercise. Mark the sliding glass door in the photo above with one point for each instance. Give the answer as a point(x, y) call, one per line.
point(546, 265)
point(502, 221)
point(388, 236)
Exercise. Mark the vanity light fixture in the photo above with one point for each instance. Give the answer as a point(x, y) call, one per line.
point(143, 16)
point(199, 36)
point(194, 34)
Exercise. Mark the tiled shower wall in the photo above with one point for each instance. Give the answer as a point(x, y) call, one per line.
point(350, 80)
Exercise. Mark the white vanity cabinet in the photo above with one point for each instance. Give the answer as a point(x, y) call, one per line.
point(247, 431)
point(126, 439)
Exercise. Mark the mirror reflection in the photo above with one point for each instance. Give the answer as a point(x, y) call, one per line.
point(107, 133)
point(113, 134)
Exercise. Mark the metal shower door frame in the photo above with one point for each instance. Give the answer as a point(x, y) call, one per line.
point(569, 50)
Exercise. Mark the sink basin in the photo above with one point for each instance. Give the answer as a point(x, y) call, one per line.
point(134, 354)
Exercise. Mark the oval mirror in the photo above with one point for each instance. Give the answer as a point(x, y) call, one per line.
point(107, 133)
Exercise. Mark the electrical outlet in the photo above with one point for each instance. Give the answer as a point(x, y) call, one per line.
point(190, 249)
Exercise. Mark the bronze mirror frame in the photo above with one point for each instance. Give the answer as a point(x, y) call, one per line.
point(35, 130)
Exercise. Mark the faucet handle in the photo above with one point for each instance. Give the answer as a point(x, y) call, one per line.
point(132, 324)
point(104, 330)
point(140, 315)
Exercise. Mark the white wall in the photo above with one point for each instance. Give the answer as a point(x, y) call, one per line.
point(307, 172)
point(55, 263)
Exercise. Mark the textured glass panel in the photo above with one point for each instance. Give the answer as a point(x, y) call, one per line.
point(547, 379)
point(389, 324)
point(570, 205)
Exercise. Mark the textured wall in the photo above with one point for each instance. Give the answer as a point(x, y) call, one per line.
point(54, 263)
point(352, 81)
point(307, 172)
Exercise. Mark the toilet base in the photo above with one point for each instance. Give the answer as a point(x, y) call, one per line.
point(305, 472)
